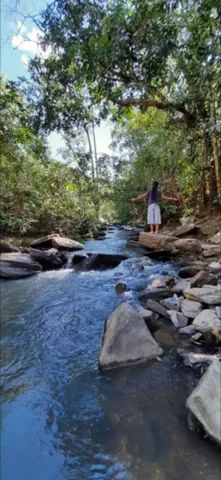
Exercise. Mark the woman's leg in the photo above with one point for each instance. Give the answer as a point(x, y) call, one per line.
point(157, 228)
point(151, 228)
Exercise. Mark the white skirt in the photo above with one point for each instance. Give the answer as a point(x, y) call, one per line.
point(153, 214)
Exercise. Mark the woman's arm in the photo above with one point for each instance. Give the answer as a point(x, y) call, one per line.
point(169, 199)
point(140, 197)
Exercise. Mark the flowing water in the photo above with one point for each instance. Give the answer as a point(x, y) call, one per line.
point(64, 419)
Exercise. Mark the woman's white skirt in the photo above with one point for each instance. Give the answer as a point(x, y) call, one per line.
point(153, 214)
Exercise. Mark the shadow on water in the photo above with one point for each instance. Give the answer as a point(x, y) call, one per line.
point(64, 419)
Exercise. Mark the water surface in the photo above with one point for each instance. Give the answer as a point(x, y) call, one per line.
point(64, 419)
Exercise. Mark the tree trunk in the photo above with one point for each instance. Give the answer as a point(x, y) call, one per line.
point(217, 165)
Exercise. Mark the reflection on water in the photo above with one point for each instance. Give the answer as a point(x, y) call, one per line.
point(64, 419)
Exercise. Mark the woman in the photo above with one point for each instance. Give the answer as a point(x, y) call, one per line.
point(153, 198)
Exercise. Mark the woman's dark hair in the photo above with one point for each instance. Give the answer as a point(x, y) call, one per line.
point(154, 191)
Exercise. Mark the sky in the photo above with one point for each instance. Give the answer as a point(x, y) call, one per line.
point(19, 39)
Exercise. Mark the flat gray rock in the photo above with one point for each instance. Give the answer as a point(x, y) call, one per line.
point(18, 265)
point(188, 330)
point(177, 318)
point(190, 308)
point(205, 400)
point(200, 279)
point(208, 294)
point(207, 320)
point(181, 286)
point(157, 308)
point(127, 339)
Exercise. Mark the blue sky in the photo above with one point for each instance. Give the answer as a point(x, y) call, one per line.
point(19, 43)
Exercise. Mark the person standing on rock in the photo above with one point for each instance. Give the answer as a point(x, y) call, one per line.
point(153, 197)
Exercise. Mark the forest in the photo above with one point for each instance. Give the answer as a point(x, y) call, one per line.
point(152, 68)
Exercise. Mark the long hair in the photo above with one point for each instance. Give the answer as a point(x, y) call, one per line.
point(154, 190)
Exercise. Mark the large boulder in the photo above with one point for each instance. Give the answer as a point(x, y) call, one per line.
point(156, 241)
point(207, 320)
point(209, 294)
point(49, 259)
point(184, 229)
point(100, 261)
point(6, 247)
point(188, 245)
point(191, 308)
point(127, 339)
point(205, 400)
point(56, 241)
point(18, 265)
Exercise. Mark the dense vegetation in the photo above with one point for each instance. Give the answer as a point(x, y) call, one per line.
point(154, 68)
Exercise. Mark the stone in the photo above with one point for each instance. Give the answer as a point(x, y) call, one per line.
point(187, 220)
point(56, 241)
point(156, 241)
point(185, 228)
point(48, 259)
point(195, 338)
point(18, 265)
point(207, 320)
point(218, 311)
point(79, 258)
point(188, 245)
point(172, 303)
point(188, 330)
point(191, 308)
point(208, 294)
point(181, 286)
point(162, 281)
point(121, 287)
point(164, 338)
point(6, 247)
point(127, 339)
point(154, 294)
point(177, 318)
point(191, 359)
point(145, 314)
point(101, 261)
point(189, 271)
point(157, 308)
point(205, 400)
point(212, 251)
point(200, 279)
point(212, 338)
point(214, 267)
point(216, 238)
point(162, 254)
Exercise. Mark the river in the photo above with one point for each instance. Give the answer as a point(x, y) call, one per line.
point(62, 419)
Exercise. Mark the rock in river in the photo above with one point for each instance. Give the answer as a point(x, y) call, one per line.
point(100, 261)
point(48, 259)
point(56, 241)
point(190, 308)
point(207, 320)
point(156, 242)
point(204, 402)
point(18, 265)
point(6, 247)
point(208, 294)
point(127, 339)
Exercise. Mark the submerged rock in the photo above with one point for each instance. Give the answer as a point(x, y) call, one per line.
point(207, 320)
point(205, 400)
point(121, 287)
point(127, 339)
point(191, 308)
point(18, 265)
point(208, 294)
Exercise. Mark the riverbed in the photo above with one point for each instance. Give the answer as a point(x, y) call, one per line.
point(64, 419)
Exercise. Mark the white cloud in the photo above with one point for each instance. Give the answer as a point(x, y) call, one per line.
point(25, 59)
point(29, 42)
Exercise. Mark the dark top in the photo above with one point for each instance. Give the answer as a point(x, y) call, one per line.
point(153, 199)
